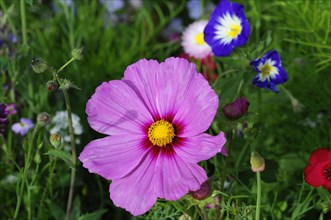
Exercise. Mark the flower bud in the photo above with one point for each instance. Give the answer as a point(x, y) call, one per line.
point(203, 192)
point(77, 53)
point(38, 65)
point(52, 85)
point(55, 140)
point(185, 217)
point(43, 118)
point(37, 158)
point(236, 109)
point(296, 105)
point(257, 162)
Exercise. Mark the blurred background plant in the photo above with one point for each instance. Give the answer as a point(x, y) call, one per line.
point(285, 128)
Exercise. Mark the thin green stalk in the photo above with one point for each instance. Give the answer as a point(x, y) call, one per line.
point(204, 213)
point(73, 154)
point(48, 184)
point(23, 21)
point(259, 102)
point(72, 139)
point(66, 64)
point(241, 155)
point(258, 198)
point(223, 178)
point(230, 139)
point(7, 16)
point(26, 167)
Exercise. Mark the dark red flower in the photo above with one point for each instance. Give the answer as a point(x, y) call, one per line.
point(236, 109)
point(208, 67)
point(3, 119)
point(318, 172)
point(203, 192)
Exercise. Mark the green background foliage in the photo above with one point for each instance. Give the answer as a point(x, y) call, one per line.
point(284, 128)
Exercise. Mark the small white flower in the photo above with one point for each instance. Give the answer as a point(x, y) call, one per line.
point(60, 121)
point(60, 126)
point(193, 40)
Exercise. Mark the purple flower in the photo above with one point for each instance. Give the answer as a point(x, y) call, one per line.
point(155, 118)
point(236, 109)
point(22, 127)
point(227, 28)
point(270, 71)
point(3, 119)
point(11, 109)
point(194, 9)
point(113, 5)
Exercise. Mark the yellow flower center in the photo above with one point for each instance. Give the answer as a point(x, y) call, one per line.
point(199, 39)
point(161, 133)
point(234, 30)
point(266, 69)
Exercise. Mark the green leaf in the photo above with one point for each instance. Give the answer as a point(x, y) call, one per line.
point(56, 211)
point(94, 215)
point(63, 155)
point(29, 2)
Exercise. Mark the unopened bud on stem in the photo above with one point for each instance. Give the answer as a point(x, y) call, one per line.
point(257, 162)
point(38, 65)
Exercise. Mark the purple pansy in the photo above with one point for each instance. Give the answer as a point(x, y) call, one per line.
point(270, 71)
point(155, 116)
point(22, 127)
point(227, 28)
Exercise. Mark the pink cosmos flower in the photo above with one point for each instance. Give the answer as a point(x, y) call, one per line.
point(155, 117)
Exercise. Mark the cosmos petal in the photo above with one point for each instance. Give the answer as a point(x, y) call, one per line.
point(197, 109)
point(135, 193)
point(201, 147)
point(161, 86)
point(174, 90)
point(175, 177)
point(115, 156)
point(115, 109)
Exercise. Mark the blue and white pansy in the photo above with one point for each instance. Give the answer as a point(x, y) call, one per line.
point(227, 28)
point(270, 71)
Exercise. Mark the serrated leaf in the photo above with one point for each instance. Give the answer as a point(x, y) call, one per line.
point(63, 155)
point(94, 215)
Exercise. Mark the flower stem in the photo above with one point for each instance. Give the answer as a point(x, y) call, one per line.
point(259, 103)
point(7, 16)
point(73, 154)
point(223, 178)
point(66, 64)
point(72, 139)
point(258, 199)
point(48, 185)
point(23, 21)
point(25, 169)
